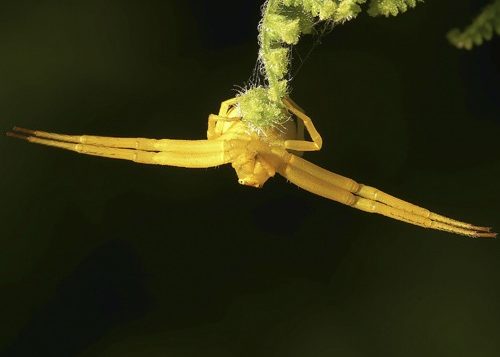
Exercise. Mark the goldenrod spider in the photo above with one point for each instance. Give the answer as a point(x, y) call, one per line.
point(256, 157)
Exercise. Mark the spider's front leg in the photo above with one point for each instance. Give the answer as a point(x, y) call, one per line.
point(347, 191)
point(344, 190)
point(181, 153)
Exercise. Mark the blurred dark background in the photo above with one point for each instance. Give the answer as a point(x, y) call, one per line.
point(104, 257)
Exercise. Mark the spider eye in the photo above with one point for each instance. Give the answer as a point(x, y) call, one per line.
point(250, 182)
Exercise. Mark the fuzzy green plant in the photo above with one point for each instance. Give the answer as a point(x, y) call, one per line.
point(390, 7)
point(282, 24)
point(482, 28)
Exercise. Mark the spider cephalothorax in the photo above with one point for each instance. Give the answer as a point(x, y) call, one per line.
point(256, 157)
point(254, 154)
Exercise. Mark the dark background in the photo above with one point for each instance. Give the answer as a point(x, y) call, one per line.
point(104, 257)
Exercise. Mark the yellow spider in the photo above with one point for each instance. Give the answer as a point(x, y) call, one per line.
point(256, 158)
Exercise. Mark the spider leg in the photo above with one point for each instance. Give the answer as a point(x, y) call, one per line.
point(114, 142)
point(224, 106)
point(344, 190)
point(303, 145)
point(293, 104)
point(212, 121)
point(182, 153)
